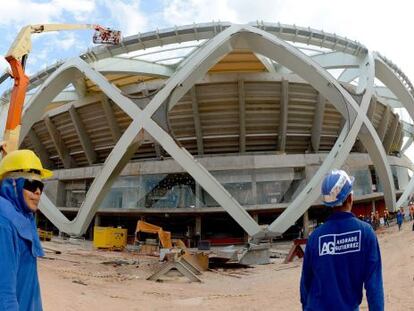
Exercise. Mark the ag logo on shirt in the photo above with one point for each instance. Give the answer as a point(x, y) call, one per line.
point(337, 244)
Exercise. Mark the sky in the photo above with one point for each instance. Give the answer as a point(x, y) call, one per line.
point(383, 26)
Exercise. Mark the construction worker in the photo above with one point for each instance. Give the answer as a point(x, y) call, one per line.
point(341, 256)
point(400, 218)
point(21, 174)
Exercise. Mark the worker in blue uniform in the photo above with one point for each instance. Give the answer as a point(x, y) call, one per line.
point(341, 256)
point(21, 174)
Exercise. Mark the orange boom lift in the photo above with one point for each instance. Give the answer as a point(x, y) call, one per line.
point(17, 57)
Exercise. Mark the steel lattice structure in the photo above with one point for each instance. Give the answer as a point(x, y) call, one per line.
point(277, 46)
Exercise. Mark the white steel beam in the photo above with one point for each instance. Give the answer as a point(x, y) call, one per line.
point(334, 60)
point(132, 66)
point(349, 75)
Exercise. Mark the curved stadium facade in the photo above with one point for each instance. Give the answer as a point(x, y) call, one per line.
point(214, 130)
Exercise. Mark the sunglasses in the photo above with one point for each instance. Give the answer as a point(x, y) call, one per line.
point(32, 185)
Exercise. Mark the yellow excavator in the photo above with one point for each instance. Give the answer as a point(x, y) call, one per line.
point(17, 57)
point(198, 259)
point(164, 237)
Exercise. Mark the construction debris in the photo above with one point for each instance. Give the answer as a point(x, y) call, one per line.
point(182, 266)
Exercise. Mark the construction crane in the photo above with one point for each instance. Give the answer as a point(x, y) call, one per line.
point(17, 58)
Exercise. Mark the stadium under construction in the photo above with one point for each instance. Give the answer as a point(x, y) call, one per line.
point(218, 131)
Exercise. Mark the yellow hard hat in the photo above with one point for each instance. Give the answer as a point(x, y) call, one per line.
point(23, 160)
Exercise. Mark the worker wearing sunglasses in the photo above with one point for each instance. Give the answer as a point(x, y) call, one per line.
point(21, 175)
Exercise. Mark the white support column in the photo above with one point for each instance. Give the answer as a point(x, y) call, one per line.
point(61, 149)
point(83, 136)
point(370, 116)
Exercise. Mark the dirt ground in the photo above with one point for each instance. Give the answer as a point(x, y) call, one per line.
point(79, 280)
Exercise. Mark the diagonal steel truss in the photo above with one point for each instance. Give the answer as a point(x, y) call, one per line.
point(234, 37)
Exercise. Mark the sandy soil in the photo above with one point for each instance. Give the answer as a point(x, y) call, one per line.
point(78, 280)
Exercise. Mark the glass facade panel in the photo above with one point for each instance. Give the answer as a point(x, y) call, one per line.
point(249, 187)
point(179, 190)
point(362, 184)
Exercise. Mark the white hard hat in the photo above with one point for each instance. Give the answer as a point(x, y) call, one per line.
point(336, 187)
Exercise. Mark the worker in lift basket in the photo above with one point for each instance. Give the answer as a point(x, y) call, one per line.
point(21, 173)
point(341, 256)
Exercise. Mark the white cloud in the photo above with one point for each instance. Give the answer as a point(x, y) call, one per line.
point(180, 12)
point(18, 13)
point(128, 15)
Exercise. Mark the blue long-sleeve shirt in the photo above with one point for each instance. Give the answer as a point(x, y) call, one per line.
point(341, 257)
point(400, 218)
point(19, 248)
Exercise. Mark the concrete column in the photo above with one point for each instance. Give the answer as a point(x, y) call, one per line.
point(197, 231)
point(40, 149)
point(317, 123)
point(306, 228)
point(197, 122)
point(373, 206)
point(59, 144)
point(254, 187)
point(382, 127)
point(242, 117)
point(141, 193)
point(283, 119)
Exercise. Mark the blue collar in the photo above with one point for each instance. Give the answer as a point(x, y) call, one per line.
point(18, 213)
point(340, 215)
